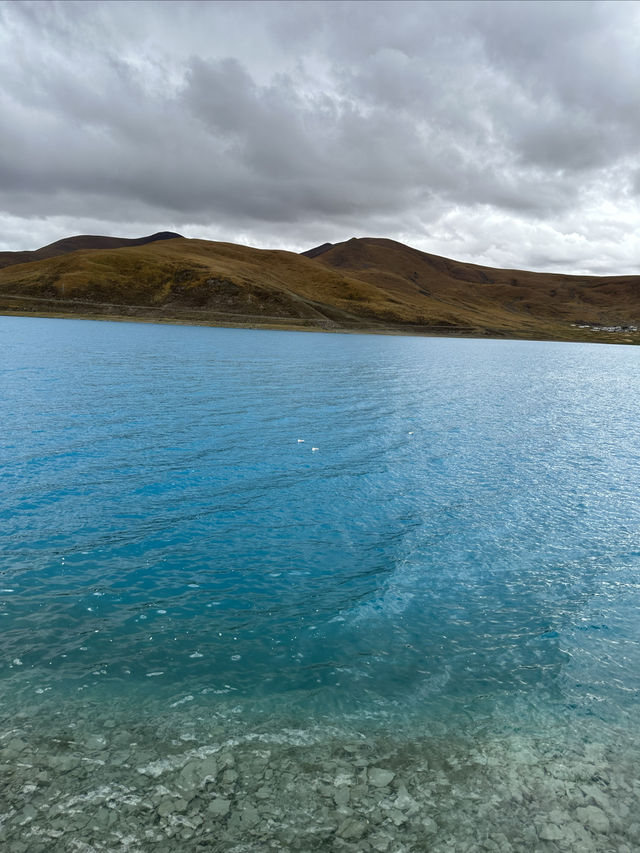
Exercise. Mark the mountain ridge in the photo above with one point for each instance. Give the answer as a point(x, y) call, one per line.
point(361, 284)
point(77, 243)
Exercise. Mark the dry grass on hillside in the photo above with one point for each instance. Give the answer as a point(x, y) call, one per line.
point(361, 283)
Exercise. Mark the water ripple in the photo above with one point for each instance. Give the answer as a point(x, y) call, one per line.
point(468, 528)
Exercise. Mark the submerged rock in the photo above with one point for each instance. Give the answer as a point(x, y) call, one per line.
point(341, 796)
point(15, 746)
point(380, 843)
point(248, 817)
point(96, 743)
point(380, 778)
point(63, 763)
point(404, 801)
point(169, 806)
point(351, 829)
point(218, 808)
point(593, 818)
point(197, 773)
point(550, 832)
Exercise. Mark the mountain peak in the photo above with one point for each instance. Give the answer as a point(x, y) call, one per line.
point(318, 250)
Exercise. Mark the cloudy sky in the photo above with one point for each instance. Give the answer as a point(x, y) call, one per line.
point(501, 133)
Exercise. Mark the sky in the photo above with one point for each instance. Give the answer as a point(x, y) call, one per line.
point(501, 133)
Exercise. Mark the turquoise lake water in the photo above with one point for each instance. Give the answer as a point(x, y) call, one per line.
point(286, 591)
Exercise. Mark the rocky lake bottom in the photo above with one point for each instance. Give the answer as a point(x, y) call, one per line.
point(92, 776)
point(199, 775)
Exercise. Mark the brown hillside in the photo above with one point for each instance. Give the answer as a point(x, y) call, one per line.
point(80, 241)
point(361, 284)
point(452, 291)
point(317, 250)
point(203, 279)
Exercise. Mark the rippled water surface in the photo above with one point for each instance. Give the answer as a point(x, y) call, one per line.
point(308, 560)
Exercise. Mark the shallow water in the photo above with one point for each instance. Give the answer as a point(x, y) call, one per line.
point(421, 635)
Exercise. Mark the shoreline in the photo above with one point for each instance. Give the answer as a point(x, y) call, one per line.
point(285, 324)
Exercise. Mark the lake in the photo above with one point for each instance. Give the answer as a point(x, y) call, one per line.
point(289, 591)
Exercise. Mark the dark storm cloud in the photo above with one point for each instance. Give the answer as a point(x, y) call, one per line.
point(297, 122)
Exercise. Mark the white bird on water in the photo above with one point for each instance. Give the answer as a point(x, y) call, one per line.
point(315, 448)
point(300, 440)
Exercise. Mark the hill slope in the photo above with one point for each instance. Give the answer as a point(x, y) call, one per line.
point(361, 284)
point(447, 291)
point(195, 280)
point(81, 241)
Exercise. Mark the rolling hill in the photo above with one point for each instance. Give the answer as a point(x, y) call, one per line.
point(81, 241)
point(459, 293)
point(365, 284)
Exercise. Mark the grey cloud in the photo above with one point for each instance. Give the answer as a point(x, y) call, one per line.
point(264, 119)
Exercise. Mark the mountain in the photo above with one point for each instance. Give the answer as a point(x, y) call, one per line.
point(516, 302)
point(365, 284)
point(319, 250)
point(81, 241)
point(193, 281)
